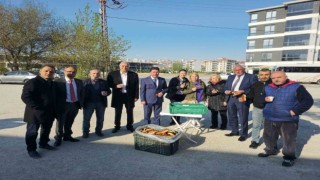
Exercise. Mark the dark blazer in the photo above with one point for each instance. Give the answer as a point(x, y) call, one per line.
point(148, 90)
point(173, 88)
point(61, 93)
point(103, 86)
point(247, 81)
point(132, 87)
point(38, 95)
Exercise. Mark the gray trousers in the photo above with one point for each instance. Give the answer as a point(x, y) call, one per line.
point(288, 132)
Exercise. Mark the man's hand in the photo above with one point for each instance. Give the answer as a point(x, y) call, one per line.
point(237, 93)
point(292, 113)
point(160, 94)
point(120, 85)
point(228, 92)
point(143, 102)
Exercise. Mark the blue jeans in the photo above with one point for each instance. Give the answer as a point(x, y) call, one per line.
point(257, 123)
point(87, 114)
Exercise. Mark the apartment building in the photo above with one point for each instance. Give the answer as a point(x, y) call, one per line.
point(222, 65)
point(284, 34)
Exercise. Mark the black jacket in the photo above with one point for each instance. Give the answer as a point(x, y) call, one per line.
point(103, 86)
point(39, 97)
point(174, 86)
point(61, 93)
point(215, 101)
point(257, 94)
point(132, 87)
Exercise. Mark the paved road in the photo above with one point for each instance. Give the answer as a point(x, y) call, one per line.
point(114, 157)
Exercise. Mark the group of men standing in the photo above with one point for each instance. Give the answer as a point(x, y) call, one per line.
point(47, 99)
point(277, 102)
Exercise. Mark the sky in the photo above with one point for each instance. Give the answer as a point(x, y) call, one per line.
point(216, 28)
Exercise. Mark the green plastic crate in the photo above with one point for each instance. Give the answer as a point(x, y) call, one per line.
point(179, 108)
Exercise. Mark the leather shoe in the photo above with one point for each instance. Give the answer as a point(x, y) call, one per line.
point(130, 129)
point(57, 143)
point(242, 138)
point(48, 147)
point(288, 162)
point(85, 135)
point(265, 155)
point(71, 139)
point(100, 134)
point(254, 145)
point(34, 154)
point(115, 130)
point(232, 134)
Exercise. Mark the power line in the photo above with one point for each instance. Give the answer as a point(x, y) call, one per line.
point(178, 24)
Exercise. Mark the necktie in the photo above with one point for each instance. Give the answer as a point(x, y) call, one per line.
point(72, 94)
point(155, 81)
point(235, 83)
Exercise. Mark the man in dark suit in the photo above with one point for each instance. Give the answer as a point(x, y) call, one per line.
point(69, 102)
point(95, 94)
point(176, 86)
point(38, 95)
point(152, 89)
point(236, 86)
point(125, 91)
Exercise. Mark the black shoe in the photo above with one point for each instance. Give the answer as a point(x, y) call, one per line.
point(57, 143)
point(48, 147)
point(100, 134)
point(85, 135)
point(242, 138)
point(254, 145)
point(71, 139)
point(223, 128)
point(130, 129)
point(213, 127)
point(287, 163)
point(265, 155)
point(232, 134)
point(115, 130)
point(34, 154)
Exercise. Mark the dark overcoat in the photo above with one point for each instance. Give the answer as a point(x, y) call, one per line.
point(39, 96)
point(132, 87)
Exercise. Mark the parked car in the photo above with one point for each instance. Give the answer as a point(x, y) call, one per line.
point(16, 77)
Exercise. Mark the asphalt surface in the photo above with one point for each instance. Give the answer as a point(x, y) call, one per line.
point(215, 156)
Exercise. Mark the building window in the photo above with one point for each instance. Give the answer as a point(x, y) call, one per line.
point(295, 55)
point(298, 25)
point(250, 57)
point(296, 40)
point(254, 18)
point(300, 8)
point(267, 43)
point(271, 15)
point(251, 44)
point(269, 29)
point(266, 57)
point(253, 31)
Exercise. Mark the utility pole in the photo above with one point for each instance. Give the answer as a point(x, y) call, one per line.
point(112, 4)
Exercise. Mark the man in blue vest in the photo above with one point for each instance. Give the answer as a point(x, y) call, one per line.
point(285, 101)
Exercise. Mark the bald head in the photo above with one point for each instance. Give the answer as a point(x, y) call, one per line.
point(238, 70)
point(278, 77)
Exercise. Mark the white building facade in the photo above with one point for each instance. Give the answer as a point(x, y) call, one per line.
point(284, 34)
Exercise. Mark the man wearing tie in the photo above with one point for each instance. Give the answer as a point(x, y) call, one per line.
point(125, 91)
point(69, 91)
point(152, 90)
point(236, 86)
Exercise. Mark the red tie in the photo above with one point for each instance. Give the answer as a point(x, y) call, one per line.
point(72, 94)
